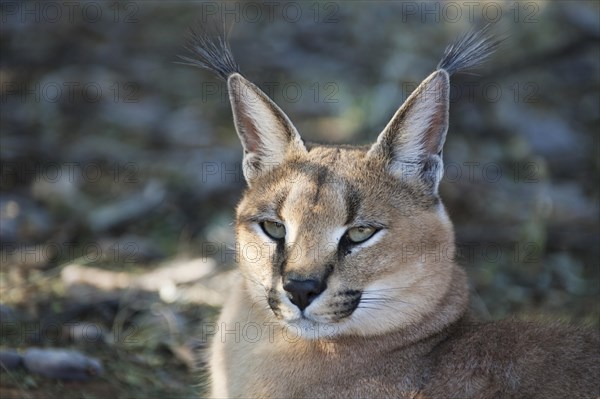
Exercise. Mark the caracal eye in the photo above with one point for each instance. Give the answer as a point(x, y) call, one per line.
point(274, 230)
point(360, 234)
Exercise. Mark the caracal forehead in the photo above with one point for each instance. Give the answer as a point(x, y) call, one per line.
point(333, 163)
point(321, 187)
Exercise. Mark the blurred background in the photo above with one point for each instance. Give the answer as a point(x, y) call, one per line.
point(120, 168)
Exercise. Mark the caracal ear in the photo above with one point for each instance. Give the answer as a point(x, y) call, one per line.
point(411, 143)
point(266, 132)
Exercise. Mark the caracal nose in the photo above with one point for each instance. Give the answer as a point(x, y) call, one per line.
point(303, 291)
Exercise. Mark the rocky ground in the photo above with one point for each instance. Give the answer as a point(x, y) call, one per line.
point(120, 167)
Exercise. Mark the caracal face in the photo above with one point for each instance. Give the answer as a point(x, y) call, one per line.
point(376, 247)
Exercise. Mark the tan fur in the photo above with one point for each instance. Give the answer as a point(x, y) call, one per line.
point(410, 335)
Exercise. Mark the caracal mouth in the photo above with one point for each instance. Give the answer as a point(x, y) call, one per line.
point(305, 328)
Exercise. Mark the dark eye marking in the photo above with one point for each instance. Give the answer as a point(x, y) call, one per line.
point(353, 200)
point(322, 174)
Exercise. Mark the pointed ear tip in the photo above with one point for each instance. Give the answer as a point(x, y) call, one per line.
point(234, 78)
point(441, 74)
point(235, 75)
point(438, 80)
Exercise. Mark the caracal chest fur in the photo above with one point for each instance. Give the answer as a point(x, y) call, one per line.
point(348, 287)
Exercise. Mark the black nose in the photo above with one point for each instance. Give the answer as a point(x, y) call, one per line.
point(303, 292)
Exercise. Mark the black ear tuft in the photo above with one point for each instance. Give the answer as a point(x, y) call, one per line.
point(469, 50)
point(212, 52)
